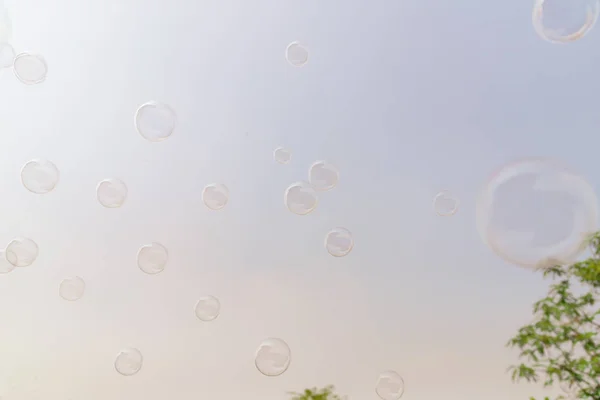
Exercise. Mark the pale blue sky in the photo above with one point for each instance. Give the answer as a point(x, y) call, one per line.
point(407, 98)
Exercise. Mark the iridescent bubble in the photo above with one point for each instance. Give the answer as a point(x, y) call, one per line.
point(152, 258)
point(300, 198)
point(111, 193)
point(40, 176)
point(8, 262)
point(445, 204)
point(72, 289)
point(155, 121)
point(215, 196)
point(282, 155)
point(339, 242)
point(273, 357)
point(564, 21)
point(536, 213)
point(30, 69)
point(129, 361)
point(22, 252)
point(7, 55)
point(207, 308)
point(323, 176)
point(389, 386)
point(296, 54)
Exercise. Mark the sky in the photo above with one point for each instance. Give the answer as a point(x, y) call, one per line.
point(406, 98)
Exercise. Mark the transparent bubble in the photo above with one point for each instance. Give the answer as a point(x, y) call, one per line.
point(22, 252)
point(72, 289)
point(300, 198)
point(564, 21)
point(273, 357)
point(155, 121)
point(390, 385)
point(8, 261)
point(7, 55)
point(323, 176)
point(296, 54)
point(40, 176)
point(111, 193)
point(536, 213)
point(282, 155)
point(30, 69)
point(207, 308)
point(129, 361)
point(152, 258)
point(339, 242)
point(5, 25)
point(445, 204)
point(215, 196)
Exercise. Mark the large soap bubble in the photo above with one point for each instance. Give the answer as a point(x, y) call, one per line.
point(536, 213)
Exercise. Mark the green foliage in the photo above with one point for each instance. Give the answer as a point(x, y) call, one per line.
point(562, 345)
point(326, 393)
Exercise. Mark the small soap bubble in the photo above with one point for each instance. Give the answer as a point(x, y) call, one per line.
point(339, 242)
point(39, 176)
point(111, 193)
point(273, 357)
point(323, 176)
point(22, 252)
point(30, 69)
point(564, 21)
point(215, 196)
point(445, 204)
point(7, 55)
point(72, 289)
point(390, 386)
point(282, 155)
point(129, 361)
point(300, 198)
point(207, 308)
point(8, 261)
point(155, 121)
point(152, 258)
point(296, 54)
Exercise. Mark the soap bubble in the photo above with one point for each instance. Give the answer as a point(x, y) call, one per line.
point(111, 193)
point(323, 176)
point(296, 54)
point(39, 176)
point(390, 385)
point(22, 252)
point(300, 198)
point(536, 213)
point(445, 204)
point(282, 155)
point(129, 361)
point(71, 289)
point(8, 261)
point(564, 21)
point(7, 55)
point(152, 258)
point(207, 308)
point(215, 196)
point(30, 69)
point(339, 242)
point(273, 357)
point(155, 121)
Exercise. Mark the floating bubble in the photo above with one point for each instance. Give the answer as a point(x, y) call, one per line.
point(273, 357)
point(207, 308)
point(323, 176)
point(445, 204)
point(30, 69)
point(129, 361)
point(40, 176)
point(564, 21)
point(282, 155)
point(155, 121)
point(300, 198)
point(111, 193)
point(8, 261)
point(152, 258)
point(536, 213)
point(22, 252)
point(215, 196)
point(7, 55)
point(339, 242)
point(72, 289)
point(296, 54)
point(390, 385)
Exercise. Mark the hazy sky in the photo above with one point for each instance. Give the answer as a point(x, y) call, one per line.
point(405, 97)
